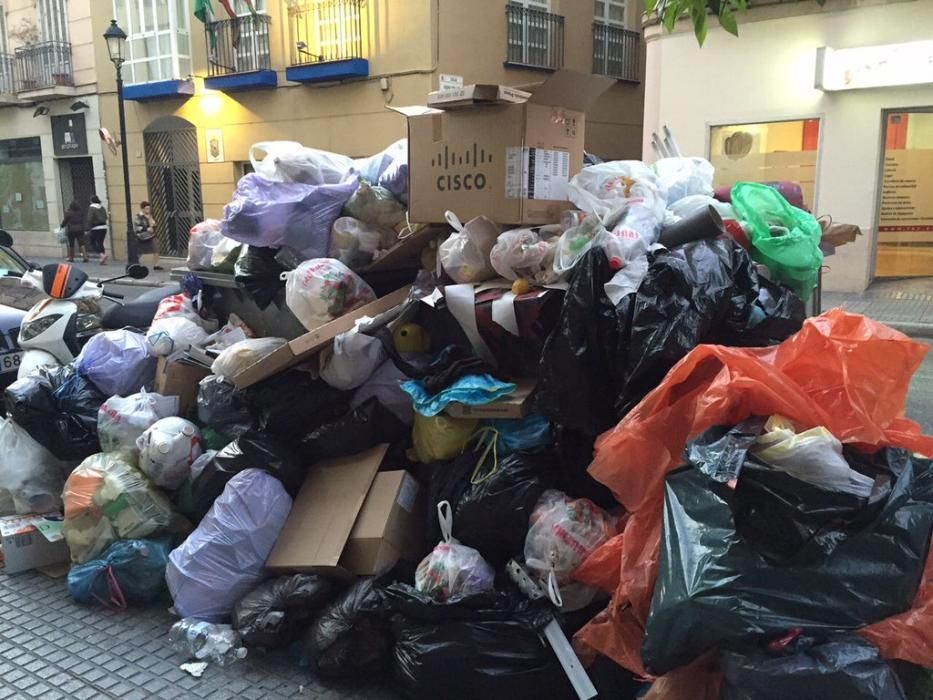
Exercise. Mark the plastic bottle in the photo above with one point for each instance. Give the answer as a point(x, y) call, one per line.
point(206, 641)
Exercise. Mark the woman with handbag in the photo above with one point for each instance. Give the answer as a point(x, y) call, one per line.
point(144, 225)
point(97, 228)
point(73, 224)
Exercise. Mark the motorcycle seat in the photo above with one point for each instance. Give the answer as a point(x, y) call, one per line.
point(138, 312)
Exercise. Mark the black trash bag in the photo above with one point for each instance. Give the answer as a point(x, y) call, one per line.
point(276, 612)
point(258, 272)
point(31, 404)
point(492, 514)
point(843, 666)
point(252, 450)
point(601, 360)
point(575, 453)
point(222, 407)
point(351, 637)
point(292, 403)
point(367, 425)
point(481, 646)
point(706, 566)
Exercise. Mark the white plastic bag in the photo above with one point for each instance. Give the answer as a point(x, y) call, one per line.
point(683, 177)
point(120, 421)
point(465, 254)
point(357, 244)
point(176, 326)
point(29, 472)
point(527, 253)
point(354, 358)
point(452, 569)
point(814, 456)
point(244, 353)
point(562, 532)
point(167, 449)
point(693, 204)
point(621, 193)
point(224, 251)
point(203, 239)
point(289, 161)
point(117, 362)
point(575, 242)
point(323, 289)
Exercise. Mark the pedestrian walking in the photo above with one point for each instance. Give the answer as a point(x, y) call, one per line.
point(97, 228)
point(73, 223)
point(145, 234)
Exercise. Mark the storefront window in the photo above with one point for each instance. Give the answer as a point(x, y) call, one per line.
point(22, 186)
point(905, 216)
point(783, 151)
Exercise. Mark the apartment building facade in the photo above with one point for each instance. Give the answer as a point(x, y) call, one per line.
point(50, 151)
point(323, 73)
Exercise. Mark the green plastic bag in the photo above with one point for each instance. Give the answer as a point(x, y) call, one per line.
point(784, 238)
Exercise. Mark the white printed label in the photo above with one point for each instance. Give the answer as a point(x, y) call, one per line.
point(407, 493)
point(536, 173)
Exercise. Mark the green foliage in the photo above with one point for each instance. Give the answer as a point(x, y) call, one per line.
point(669, 11)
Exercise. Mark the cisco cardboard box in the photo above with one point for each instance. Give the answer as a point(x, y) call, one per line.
point(508, 162)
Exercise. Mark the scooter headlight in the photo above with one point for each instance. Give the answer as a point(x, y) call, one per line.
point(31, 329)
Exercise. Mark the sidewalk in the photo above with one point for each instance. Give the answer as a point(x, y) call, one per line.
point(904, 304)
point(97, 272)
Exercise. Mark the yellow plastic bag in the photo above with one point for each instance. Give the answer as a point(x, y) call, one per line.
point(440, 437)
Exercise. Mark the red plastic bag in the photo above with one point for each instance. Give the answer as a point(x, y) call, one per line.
point(842, 371)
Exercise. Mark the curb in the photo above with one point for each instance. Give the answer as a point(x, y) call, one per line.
point(917, 330)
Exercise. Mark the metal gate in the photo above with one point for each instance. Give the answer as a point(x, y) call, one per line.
point(174, 178)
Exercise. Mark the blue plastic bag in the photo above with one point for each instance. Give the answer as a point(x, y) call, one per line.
point(117, 362)
point(471, 390)
point(527, 433)
point(128, 572)
point(275, 214)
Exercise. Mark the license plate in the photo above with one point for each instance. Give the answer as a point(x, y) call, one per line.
point(10, 361)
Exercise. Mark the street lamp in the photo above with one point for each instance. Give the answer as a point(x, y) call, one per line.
point(116, 44)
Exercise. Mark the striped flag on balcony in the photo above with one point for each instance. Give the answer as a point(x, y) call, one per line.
point(204, 12)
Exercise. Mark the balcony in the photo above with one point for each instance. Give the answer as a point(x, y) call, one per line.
point(7, 82)
point(238, 56)
point(535, 38)
point(44, 70)
point(327, 41)
point(616, 52)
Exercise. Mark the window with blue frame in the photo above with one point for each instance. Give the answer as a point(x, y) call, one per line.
point(159, 45)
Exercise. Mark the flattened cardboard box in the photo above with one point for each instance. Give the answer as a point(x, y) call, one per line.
point(469, 95)
point(510, 162)
point(350, 520)
point(304, 346)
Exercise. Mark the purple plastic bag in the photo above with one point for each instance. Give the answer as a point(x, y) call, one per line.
point(276, 214)
point(225, 557)
point(118, 363)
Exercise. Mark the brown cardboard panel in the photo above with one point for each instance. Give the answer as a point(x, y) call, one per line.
point(470, 95)
point(571, 89)
point(324, 513)
point(304, 346)
point(179, 379)
point(516, 405)
point(406, 254)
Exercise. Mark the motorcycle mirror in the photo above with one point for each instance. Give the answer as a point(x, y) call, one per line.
point(6, 239)
point(137, 272)
point(61, 281)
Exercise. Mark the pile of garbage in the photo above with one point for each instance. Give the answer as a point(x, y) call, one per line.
point(616, 428)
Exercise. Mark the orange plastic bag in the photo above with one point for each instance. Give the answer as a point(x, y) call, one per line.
point(842, 371)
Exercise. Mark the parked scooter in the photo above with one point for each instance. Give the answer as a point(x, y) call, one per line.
point(55, 329)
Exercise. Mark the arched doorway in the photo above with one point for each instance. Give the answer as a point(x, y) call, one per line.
point(174, 178)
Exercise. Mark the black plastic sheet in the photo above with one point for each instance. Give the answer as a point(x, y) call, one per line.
point(293, 403)
point(252, 450)
point(484, 646)
point(366, 426)
point(845, 666)
point(258, 272)
point(222, 408)
point(276, 613)
point(351, 637)
point(716, 587)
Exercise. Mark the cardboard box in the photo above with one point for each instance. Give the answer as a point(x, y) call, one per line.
point(31, 541)
point(509, 162)
point(350, 520)
point(306, 345)
point(180, 379)
point(469, 95)
point(515, 405)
